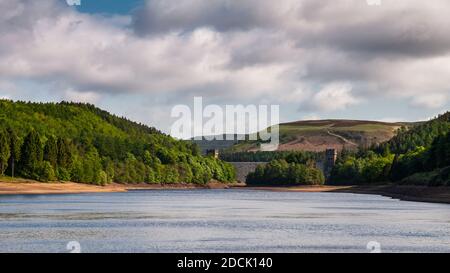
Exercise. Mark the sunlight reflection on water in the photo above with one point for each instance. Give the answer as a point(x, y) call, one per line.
point(221, 221)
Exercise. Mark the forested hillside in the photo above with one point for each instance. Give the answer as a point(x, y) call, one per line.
point(420, 155)
point(421, 135)
point(81, 143)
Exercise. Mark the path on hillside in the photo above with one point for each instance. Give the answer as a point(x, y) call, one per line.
point(342, 138)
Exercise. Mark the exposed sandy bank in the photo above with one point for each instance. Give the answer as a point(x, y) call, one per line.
point(32, 187)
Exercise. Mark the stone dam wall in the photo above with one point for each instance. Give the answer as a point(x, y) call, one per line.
point(244, 168)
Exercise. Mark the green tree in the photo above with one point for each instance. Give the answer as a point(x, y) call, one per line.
point(45, 172)
point(31, 155)
point(14, 144)
point(65, 152)
point(51, 151)
point(5, 151)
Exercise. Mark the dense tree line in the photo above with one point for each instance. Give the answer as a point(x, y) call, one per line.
point(418, 156)
point(284, 168)
point(361, 168)
point(81, 143)
point(280, 172)
point(301, 157)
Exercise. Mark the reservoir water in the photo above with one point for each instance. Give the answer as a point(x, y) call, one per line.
point(221, 221)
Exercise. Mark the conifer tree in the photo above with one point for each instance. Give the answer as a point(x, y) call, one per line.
point(64, 151)
point(31, 155)
point(51, 151)
point(4, 151)
point(14, 146)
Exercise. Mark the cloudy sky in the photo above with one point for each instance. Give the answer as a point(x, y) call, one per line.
point(315, 58)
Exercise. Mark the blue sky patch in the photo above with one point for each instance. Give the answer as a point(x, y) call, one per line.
point(107, 6)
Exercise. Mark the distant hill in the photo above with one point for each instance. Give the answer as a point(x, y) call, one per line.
point(319, 135)
point(97, 147)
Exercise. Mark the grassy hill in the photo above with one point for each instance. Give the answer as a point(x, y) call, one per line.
point(82, 143)
point(318, 135)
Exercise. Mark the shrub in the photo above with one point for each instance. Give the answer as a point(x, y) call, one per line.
point(45, 172)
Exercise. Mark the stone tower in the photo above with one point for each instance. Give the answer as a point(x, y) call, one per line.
point(330, 161)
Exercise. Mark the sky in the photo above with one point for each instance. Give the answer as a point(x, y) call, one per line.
point(317, 59)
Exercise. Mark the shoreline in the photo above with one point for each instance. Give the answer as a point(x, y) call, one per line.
point(401, 192)
point(30, 187)
point(405, 193)
point(425, 194)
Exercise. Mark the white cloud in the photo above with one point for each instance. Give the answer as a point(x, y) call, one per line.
point(311, 117)
point(335, 96)
point(430, 100)
point(4, 95)
point(75, 96)
point(287, 51)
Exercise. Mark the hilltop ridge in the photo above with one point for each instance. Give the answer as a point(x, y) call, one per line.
point(319, 135)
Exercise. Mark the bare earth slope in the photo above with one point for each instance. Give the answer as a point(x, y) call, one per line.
point(318, 135)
